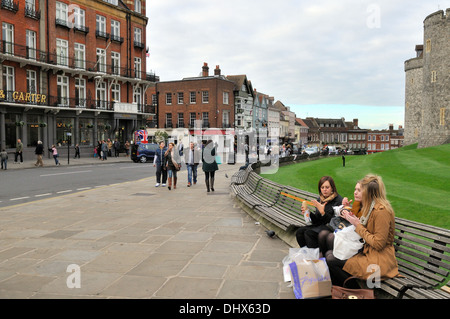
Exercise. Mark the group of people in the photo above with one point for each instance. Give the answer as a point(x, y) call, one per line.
point(168, 162)
point(373, 218)
point(103, 150)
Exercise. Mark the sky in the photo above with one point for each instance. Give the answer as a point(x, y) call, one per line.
point(322, 58)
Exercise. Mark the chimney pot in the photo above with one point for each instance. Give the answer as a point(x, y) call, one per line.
point(205, 69)
point(217, 70)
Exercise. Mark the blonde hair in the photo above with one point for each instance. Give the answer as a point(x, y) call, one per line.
point(373, 190)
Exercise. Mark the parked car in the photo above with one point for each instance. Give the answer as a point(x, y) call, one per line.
point(143, 152)
point(311, 150)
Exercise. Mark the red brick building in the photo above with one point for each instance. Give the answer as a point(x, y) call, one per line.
point(207, 98)
point(76, 67)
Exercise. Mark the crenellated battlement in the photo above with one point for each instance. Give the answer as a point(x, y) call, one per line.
point(438, 17)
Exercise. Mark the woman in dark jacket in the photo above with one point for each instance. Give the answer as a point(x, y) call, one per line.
point(209, 165)
point(329, 197)
point(172, 164)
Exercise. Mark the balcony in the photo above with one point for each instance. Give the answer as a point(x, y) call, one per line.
point(10, 5)
point(117, 38)
point(62, 23)
point(101, 34)
point(81, 28)
point(31, 12)
point(139, 45)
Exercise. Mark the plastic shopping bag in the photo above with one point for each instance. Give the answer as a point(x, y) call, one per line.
point(298, 254)
point(347, 243)
point(311, 278)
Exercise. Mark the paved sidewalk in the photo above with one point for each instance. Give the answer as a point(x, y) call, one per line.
point(133, 240)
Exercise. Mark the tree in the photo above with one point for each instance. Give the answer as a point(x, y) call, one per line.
point(161, 136)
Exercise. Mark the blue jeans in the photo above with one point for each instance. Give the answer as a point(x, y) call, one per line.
point(192, 172)
point(4, 163)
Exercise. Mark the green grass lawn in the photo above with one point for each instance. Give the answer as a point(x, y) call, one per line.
point(417, 180)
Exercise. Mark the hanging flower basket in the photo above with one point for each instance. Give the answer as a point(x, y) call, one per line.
point(69, 125)
point(107, 127)
point(20, 123)
point(90, 126)
point(43, 124)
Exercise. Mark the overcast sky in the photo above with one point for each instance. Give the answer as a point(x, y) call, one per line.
point(323, 58)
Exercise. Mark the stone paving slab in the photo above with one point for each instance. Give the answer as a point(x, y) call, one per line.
point(133, 240)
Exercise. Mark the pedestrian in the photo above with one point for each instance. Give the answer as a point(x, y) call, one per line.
point(39, 151)
point(343, 160)
point(180, 147)
point(158, 162)
point(116, 148)
point(192, 159)
point(110, 144)
point(77, 151)
point(4, 159)
point(173, 165)
point(105, 150)
point(209, 165)
point(54, 151)
point(127, 148)
point(19, 150)
point(99, 150)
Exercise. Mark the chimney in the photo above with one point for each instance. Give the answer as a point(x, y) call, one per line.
point(205, 69)
point(391, 127)
point(217, 71)
point(355, 123)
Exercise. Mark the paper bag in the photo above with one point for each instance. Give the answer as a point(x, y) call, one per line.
point(311, 278)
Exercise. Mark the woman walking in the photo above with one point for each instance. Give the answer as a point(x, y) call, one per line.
point(55, 155)
point(209, 165)
point(173, 164)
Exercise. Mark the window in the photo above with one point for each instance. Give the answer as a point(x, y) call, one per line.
point(100, 95)
point(101, 60)
point(205, 97)
point(192, 98)
point(137, 35)
point(8, 37)
point(31, 44)
point(137, 67)
point(370, 138)
point(169, 120)
point(63, 90)
point(62, 52)
point(226, 119)
point(30, 5)
point(80, 56)
point(192, 118)
point(115, 63)
point(101, 25)
point(115, 92)
point(169, 98)
point(79, 19)
point(8, 82)
point(433, 76)
point(62, 12)
point(80, 92)
point(180, 120)
point(115, 30)
point(137, 97)
point(205, 118)
point(137, 6)
point(154, 100)
point(428, 46)
point(442, 116)
point(225, 97)
point(31, 81)
point(180, 97)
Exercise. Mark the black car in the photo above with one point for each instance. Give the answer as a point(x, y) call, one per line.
point(143, 152)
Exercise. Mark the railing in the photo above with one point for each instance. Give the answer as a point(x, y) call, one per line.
point(10, 5)
point(21, 51)
point(32, 13)
point(66, 102)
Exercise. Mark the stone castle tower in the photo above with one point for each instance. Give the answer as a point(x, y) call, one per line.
point(427, 85)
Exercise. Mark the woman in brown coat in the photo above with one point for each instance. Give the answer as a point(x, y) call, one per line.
point(376, 226)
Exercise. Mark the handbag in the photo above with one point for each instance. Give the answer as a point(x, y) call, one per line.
point(338, 292)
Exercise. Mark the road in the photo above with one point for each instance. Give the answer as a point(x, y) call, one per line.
point(25, 185)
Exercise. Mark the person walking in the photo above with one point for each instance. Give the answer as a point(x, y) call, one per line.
point(4, 159)
point(104, 151)
point(19, 150)
point(110, 144)
point(173, 165)
point(127, 148)
point(54, 151)
point(77, 151)
point(209, 165)
point(343, 160)
point(158, 162)
point(39, 151)
point(192, 159)
point(116, 148)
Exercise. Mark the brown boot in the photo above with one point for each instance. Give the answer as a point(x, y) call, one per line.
point(169, 180)
point(175, 182)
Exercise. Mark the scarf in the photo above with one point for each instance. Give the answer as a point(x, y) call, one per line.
point(365, 219)
point(328, 199)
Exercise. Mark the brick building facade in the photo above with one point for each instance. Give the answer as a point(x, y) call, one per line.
point(73, 72)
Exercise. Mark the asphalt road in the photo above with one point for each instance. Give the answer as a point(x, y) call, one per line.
point(25, 185)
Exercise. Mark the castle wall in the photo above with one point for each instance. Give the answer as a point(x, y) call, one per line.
point(413, 100)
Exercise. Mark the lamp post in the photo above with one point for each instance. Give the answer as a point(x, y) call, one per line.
point(69, 139)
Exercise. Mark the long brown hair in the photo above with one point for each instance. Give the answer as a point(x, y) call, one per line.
point(373, 190)
point(168, 149)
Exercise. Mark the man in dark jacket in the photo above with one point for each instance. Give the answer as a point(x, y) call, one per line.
point(159, 161)
point(39, 151)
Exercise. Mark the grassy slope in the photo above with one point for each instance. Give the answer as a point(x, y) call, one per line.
point(417, 180)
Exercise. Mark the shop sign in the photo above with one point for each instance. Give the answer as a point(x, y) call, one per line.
point(19, 96)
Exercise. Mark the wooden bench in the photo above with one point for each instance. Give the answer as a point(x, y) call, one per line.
point(241, 176)
point(422, 251)
point(423, 256)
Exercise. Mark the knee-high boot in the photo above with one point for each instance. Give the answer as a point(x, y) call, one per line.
point(212, 184)
point(207, 184)
point(169, 181)
point(175, 182)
